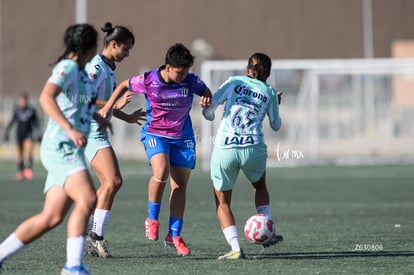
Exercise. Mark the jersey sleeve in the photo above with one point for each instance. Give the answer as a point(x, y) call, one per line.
point(273, 112)
point(197, 85)
point(60, 75)
point(97, 74)
point(218, 99)
point(221, 94)
point(137, 84)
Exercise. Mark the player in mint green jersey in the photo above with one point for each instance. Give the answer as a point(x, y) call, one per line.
point(118, 42)
point(68, 98)
point(240, 145)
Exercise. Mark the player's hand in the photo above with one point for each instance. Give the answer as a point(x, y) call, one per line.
point(77, 137)
point(138, 116)
point(103, 122)
point(124, 100)
point(103, 112)
point(205, 102)
point(279, 97)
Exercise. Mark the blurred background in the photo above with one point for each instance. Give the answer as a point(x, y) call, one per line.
point(346, 67)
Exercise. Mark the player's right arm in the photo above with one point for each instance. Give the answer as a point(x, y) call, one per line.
point(9, 125)
point(49, 105)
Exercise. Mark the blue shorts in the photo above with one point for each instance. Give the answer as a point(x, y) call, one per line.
point(226, 163)
point(181, 152)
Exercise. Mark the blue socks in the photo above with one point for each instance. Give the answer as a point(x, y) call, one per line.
point(175, 226)
point(154, 210)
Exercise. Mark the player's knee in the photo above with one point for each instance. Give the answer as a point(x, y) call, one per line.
point(51, 221)
point(112, 184)
point(86, 203)
point(159, 179)
point(115, 183)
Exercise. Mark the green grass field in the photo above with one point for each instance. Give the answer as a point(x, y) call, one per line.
point(335, 220)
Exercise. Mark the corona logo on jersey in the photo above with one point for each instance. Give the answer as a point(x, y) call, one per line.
point(243, 90)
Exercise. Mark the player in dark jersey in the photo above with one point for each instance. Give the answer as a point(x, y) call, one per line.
point(27, 122)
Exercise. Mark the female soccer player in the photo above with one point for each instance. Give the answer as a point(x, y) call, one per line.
point(118, 42)
point(239, 143)
point(168, 136)
point(27, 121)
point(68, 98)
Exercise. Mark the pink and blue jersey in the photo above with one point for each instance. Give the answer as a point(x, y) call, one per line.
point(168, 105)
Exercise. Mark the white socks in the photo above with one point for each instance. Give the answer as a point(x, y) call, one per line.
point(74, 251)
point(100, 220)
point(232, 237)
point(10, 246)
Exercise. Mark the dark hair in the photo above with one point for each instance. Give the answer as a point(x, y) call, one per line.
point(24, 95)
point(179, 56)
point(260, 64)
point(79, 39)
point(120, 34)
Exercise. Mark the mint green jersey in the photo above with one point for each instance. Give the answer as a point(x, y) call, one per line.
point(76, 100)
point(103, 77)
point(246, 103)
point(102, 74)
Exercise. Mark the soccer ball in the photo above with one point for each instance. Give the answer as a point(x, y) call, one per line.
point(259, 229)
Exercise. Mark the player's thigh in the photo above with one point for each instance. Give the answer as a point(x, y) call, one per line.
point(224, 168)
point(106, 166)
point(160, 165)
point(79, 187)
point(57, 203)
point(179, 176)
point(253, 161)
point(61, 159)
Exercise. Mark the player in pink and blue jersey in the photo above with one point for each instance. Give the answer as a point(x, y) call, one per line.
point(168, 135)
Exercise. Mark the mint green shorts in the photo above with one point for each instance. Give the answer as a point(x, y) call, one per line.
point(60, 159)
point(226, 163)
point(96, 141)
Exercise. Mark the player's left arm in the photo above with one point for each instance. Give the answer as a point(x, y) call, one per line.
point(134, 117)
point(274, 116)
